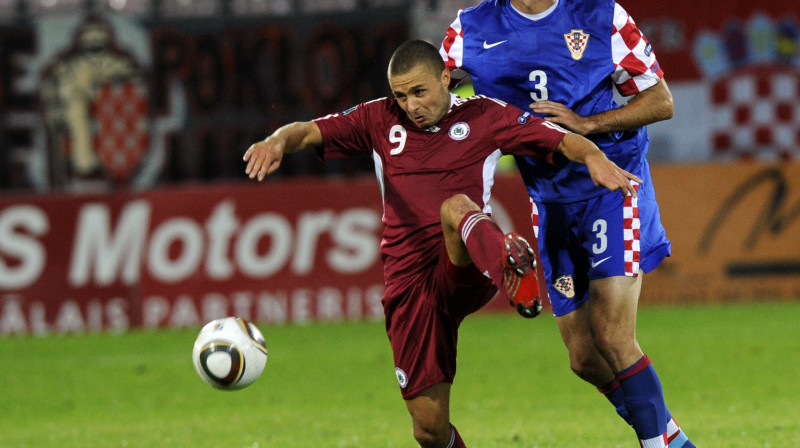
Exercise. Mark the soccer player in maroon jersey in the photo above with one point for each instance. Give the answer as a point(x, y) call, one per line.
point(435, 156)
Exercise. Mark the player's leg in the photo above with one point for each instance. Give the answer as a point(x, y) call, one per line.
point(453, 212)
point(423, 317)
point(613, 304)
point(565, 269)
point(612, 244)
point(599, 229)
point(586, 362)
point(654, 247)
point(423, 338)
point(471, 236)
point(430, 414)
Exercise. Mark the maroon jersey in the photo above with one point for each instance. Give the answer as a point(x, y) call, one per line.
point(419, 168)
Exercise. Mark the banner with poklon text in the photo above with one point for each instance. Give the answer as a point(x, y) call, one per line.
point(284, 252)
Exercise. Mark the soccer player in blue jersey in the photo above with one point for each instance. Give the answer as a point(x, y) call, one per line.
point(563, 58)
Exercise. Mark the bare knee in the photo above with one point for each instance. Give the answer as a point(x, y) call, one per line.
point(432, 436)
point(430, 414)
point(455, 207)
point(619, 348)
point(614, 303)
point(584, 358)
point(591, 367)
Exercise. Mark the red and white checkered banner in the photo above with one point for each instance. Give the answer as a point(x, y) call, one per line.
point(734, 73)
point(120, 127)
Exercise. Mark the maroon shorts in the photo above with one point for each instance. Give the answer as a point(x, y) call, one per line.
point(423, 313)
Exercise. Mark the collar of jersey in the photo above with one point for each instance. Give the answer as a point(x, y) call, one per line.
point(517, 17)
point(435, 128)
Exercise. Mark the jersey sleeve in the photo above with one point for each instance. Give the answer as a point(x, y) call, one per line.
point(345, 134)
point(635, 64)
point(452, 49)
point(523, 134)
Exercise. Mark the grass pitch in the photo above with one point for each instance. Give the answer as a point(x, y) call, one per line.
point(730, 376)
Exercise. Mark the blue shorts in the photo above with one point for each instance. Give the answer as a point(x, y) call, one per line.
point(606, 236)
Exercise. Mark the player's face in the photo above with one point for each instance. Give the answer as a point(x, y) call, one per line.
point(422, 94)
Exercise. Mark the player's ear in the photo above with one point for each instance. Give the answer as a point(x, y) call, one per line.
point(446, 78)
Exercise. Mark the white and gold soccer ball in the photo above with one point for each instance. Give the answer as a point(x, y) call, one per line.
point(229, 353)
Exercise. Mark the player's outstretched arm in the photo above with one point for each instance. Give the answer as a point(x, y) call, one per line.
point(603, 171)
point(648, 106)
point(264, 157)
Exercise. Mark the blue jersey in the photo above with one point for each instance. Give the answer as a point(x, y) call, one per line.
point(575, 55)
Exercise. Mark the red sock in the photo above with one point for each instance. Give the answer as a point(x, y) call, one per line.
point(455, 440)
point(484, 241)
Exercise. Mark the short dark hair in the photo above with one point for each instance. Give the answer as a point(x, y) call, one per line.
point(413, 53)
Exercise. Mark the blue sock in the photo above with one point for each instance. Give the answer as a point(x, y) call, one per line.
point(644, 399)
point(614, 394)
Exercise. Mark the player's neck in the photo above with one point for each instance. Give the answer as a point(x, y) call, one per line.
point(532, 6)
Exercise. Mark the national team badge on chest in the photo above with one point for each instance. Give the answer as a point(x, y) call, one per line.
point(459, 131)
point(576, 42)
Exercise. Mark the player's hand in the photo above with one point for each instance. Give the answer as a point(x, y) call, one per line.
point(562, 115)
point(606, 173)
point(264, 157)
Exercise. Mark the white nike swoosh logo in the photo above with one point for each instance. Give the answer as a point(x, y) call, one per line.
point(597, 263)
point(488, 45)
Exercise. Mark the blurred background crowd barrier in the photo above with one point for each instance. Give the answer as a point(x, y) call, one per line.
point(123, 200)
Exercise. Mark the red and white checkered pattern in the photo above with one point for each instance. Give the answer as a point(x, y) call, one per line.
point(119, 125)
point(534, 218)
point(452, 49)
point(631, 226)
point(635, 65)
point(756, 114)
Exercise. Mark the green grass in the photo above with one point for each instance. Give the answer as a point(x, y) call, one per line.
point(730, 376)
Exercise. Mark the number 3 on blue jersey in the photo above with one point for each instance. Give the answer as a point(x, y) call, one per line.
point(600, 227)
point(539, 80)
